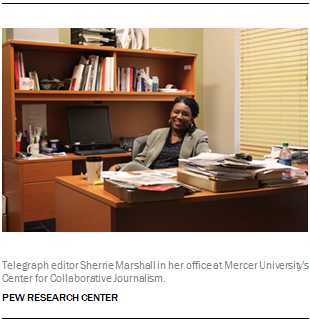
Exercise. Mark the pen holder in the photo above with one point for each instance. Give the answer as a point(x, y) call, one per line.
point(17, 146)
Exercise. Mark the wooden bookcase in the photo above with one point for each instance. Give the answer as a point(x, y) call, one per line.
point(30, 185)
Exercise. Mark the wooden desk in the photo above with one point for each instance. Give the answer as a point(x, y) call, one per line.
point(29, 185)
point(83, 207)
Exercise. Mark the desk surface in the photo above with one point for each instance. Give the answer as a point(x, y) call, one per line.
point(68, 157)
point(98, 192)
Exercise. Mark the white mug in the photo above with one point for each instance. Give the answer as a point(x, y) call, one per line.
point(25, 83)
point(34, 149)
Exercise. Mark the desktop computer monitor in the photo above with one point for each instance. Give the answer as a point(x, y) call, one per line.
point(89, 126)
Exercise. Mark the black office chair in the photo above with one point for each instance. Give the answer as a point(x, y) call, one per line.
point(138, 145)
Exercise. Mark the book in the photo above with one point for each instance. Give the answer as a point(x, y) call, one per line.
point(16, 69)
point(36, 77)
point(139, 81)
point(84, 78)
point(122, 79)
point(22, 66)
point(287, 181)
point(92, 65)
point(127, 80)
point(112, 71)
point(118, 79)
point(107, 78)
point(100, 74)
point(31, 76)
point(88, 79)
point(103, 74)
point(76, 77)
point(95, 73)
point(270, 175)
point(135, 71)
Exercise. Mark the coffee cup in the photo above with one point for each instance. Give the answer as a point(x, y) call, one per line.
point(94, 168)
point(33, 149)
point(25, 83)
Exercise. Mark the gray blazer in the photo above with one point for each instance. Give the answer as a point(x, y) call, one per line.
point(193, 144)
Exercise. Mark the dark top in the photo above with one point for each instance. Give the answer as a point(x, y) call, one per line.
point(169, 155)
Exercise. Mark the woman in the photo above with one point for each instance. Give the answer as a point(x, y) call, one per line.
point(166, 146)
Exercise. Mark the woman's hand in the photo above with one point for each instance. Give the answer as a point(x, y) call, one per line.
point(114, 167)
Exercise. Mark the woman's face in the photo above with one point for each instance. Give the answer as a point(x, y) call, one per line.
point(181, 117)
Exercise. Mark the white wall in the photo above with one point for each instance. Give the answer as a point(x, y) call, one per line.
point(219, 88)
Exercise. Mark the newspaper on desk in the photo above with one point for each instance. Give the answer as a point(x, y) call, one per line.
point(147, 179)
point(23, 156)
point(41, 156)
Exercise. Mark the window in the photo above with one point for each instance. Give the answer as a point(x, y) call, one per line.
point(273, 104)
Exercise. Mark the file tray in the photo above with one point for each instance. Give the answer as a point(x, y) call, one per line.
point(201, 181)
point(137, 196)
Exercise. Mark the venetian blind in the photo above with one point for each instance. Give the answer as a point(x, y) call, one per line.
point(273, 89)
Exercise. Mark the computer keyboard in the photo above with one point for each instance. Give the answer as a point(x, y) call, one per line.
point(101, 151)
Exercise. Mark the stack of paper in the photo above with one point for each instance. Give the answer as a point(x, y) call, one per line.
point(222, 166)
point(273, 174)
point(229, 168)
point(132, 38)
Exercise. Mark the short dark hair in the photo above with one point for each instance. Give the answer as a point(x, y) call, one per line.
point(190, 102)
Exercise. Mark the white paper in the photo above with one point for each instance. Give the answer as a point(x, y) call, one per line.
point(34, 115)
point(115, 174)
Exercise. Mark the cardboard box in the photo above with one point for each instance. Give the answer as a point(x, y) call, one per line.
point(33, 34)
point(4, 222)
point(201, 181)
point(136, 196)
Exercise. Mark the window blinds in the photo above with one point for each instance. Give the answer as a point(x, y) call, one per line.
point(273, 89)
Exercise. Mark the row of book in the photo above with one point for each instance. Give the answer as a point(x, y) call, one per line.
point(93, 74)
point(130, 79)
point(19, 68)
point(19, 71)
point(34, 76)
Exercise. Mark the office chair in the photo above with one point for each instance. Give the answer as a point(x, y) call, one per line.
point(138, 145)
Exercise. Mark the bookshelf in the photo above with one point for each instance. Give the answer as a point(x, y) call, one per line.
point(132, 114)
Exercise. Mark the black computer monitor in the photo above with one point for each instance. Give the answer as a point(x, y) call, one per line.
point(89, 126)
